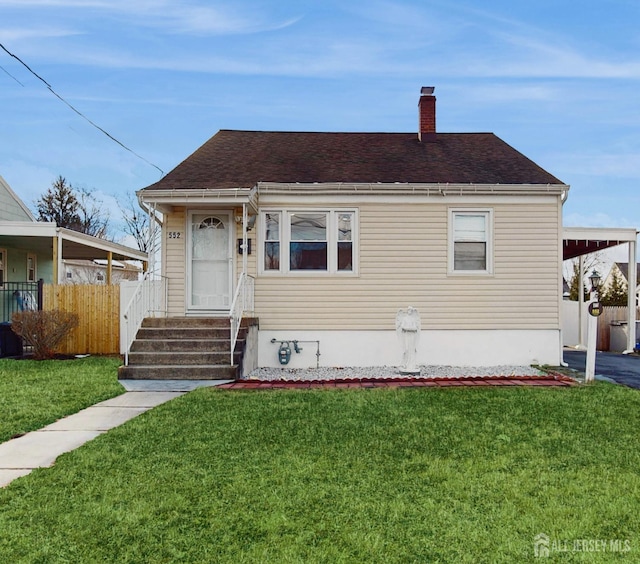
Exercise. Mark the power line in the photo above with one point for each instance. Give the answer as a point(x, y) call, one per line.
point(50, 88)
point(8, 73)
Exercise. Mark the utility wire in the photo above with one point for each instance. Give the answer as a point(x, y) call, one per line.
point(14, 78)
point(50, 88)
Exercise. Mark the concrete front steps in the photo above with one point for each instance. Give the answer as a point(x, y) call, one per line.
point(185, 348)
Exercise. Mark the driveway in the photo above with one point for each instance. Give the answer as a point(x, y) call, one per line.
point(621, 368)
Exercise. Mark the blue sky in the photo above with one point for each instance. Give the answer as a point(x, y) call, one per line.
point(558, 80)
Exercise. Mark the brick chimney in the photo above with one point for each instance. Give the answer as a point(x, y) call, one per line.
point(427, 114)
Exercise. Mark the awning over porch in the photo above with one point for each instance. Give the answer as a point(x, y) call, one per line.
point(580, 241)
point(577, 241)
point(61, 243)
point(165, 200)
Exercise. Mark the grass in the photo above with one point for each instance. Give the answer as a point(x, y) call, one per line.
point(36, 393)
point(360, 475)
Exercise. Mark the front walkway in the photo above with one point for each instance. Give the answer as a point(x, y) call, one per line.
point(39, 449)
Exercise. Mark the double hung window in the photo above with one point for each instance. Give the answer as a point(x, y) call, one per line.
point(308, 241)
point(470, 241)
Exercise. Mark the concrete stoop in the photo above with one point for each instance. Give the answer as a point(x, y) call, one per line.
point(185, 348)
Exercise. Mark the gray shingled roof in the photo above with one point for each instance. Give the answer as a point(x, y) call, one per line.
point(240, 159)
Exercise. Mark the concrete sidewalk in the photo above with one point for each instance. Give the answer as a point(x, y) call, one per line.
point(39, 449)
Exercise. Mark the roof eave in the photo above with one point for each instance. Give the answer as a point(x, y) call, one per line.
point(208, 196)
point(401, 188)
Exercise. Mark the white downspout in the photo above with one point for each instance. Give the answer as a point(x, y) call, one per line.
point(244, 239)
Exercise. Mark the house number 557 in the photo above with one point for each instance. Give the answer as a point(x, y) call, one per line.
point(174, 234)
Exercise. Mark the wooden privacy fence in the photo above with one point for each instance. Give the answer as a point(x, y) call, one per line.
point(98, 309)
point(609, 315)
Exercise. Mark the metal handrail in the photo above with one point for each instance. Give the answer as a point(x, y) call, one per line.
point(148, 300)
point(242, 301)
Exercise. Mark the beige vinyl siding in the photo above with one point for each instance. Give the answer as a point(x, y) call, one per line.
point(403, 261)
point(174, 259)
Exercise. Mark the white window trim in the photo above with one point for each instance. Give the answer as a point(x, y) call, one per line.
point(34, 258)
point(488, 213)
point(332, 242)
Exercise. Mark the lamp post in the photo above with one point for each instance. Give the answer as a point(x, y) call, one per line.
point(595, 281)
point(595, 309)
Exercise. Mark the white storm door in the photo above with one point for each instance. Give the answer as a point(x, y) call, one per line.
point(210, 262)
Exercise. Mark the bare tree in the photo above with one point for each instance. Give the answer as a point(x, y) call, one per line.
point(592, 261)
point(92, 218)
point(136, 223)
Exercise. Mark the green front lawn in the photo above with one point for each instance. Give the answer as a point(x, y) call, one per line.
point(36, 393)
point(358, 475)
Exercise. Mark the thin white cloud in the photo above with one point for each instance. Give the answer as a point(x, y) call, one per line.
point(185, 17)
point(25, 33)
point(610, 165)
point(498, 93)
point(385, 38)
point(597, 219)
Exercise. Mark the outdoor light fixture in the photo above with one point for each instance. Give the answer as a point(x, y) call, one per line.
point(251, 220)
point(595, 280)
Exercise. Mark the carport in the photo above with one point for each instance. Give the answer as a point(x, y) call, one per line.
point(60, 243)
point(580, 241)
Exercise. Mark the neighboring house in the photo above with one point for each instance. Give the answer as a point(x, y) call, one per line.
point(621, 269)
point(95, 272)
point(31, 251)
point(345, 229)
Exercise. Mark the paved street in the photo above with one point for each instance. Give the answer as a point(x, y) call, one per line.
point(623, 369)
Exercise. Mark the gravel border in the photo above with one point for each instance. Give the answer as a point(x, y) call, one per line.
point(359, 372)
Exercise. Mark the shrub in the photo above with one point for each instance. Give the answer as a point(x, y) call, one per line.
point(43, 330)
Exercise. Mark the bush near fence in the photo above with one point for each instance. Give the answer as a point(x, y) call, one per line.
point(98, 310)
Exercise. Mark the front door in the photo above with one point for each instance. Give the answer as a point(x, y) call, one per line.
point(210, 262)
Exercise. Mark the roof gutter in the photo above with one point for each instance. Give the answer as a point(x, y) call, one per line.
point(429, 190)
point(147, 209)
point(199, 196)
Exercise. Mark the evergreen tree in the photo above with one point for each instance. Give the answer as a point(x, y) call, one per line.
point(72, 209)
point(575, 283)
point(571, 268)
point(59, 204)
point(616, 293)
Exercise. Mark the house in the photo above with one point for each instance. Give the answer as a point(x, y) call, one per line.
point(621, 271)
point(33, 252)
point(334, 233)
point(96, 271)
